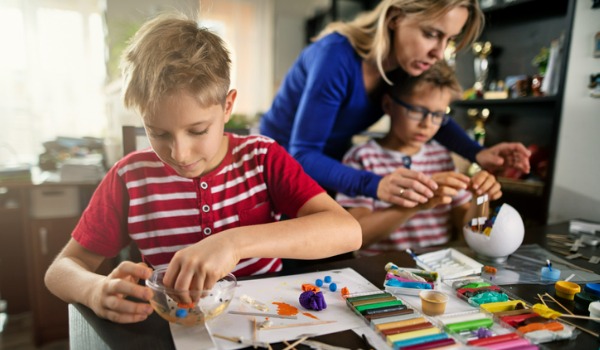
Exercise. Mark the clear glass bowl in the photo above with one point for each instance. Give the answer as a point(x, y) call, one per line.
point(193, 307)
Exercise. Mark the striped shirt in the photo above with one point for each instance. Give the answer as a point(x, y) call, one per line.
point(427, 227)
point(144, 200)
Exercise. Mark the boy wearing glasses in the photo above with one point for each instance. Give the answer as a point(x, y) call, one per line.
point(417, 108)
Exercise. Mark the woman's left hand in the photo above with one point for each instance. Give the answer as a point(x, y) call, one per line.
point(504, 155)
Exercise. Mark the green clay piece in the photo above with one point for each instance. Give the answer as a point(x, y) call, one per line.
point(476, 285)
point(487, 297)
point(469, 325)
point(378, 305)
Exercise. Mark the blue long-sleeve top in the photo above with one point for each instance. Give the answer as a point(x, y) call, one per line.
point(322, 103)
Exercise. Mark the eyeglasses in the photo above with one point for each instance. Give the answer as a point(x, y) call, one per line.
point(419, 114)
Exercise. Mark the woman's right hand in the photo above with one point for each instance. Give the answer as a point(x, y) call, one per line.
point(406, 188)
point(109, 299)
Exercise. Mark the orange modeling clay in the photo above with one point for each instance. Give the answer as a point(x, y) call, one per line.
point(307, 286)
point(285, 309)
point(345, 292)
point(308, 314)
point(550, 326)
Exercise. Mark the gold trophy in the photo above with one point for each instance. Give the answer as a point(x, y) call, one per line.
point(481, 50)
point(479, 116)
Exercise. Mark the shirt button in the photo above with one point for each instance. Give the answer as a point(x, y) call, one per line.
point(207, 231)
point(205, 208)
point(203, 185)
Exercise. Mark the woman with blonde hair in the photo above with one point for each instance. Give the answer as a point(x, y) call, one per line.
point(333, 91)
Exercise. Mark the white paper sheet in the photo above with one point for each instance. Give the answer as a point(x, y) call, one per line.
point(285, 289)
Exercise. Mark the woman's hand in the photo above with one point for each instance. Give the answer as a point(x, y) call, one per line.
point(486, 183)
point(504, 155)
point(406, 188)
point(109, 297)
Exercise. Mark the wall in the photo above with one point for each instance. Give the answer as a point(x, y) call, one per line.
point(290, 17)
point(576, 188)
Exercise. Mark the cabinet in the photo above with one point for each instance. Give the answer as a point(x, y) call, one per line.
point(517, 30)
point(45, 239)
point(37, 220)
point(53, 212)
point(13, 279)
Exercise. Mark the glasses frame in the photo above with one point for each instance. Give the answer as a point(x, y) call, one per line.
point(445, 117)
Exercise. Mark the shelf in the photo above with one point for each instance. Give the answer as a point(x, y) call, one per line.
point(505, 101)
point(535, 188)
point(527, 7)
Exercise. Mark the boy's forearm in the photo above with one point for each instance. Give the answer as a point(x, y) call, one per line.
point(380, 224)
point(314, 236)
point(70, 281)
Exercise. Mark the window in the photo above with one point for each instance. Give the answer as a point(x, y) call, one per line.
point(52, 74)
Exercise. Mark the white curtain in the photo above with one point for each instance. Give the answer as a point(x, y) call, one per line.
point(52, 74)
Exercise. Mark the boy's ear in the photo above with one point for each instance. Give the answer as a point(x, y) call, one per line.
point(229, 101)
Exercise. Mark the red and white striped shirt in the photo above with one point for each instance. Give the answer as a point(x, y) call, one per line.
point(427, 227)
point(144, 200)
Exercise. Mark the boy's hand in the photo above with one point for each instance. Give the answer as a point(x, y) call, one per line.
point(109, 297)
point(505, 155)
point(406, 188)
point(485, 183)
point(201, 265)
point(449, 182)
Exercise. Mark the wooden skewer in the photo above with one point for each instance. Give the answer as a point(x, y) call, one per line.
point(254, 332)
point(582, 317)
point(567, 322)
point(582, 328)
point(297, 325)
point(559, 304)
point(288, 344)
point(291, 346)
point(542, 299)
point(231, 339)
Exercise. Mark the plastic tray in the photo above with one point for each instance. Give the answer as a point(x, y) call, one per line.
point(409, 291)
point(449, 263)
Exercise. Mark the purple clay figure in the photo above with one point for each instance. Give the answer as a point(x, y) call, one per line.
point(312, 301)
point(483, 333)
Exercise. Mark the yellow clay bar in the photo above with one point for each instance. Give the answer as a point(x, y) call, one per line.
point(502, 306)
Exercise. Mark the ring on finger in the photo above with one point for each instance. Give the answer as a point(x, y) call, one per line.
point(401, 192)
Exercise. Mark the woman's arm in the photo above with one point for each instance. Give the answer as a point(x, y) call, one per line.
point(453, 137)
point(503, 155)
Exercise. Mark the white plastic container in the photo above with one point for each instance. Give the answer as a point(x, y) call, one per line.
point(505, 238)
point(594, 309)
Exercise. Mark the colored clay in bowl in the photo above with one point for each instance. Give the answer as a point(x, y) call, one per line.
point(190, 308)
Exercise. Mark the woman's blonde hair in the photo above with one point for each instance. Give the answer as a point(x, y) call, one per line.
point(171, 53)
point(370, 35)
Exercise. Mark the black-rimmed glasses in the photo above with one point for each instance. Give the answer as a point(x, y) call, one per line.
point(419, 114)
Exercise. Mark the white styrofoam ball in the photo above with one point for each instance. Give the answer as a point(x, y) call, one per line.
point(505, 238)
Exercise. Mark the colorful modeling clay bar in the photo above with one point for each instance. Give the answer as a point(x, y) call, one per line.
point(479, 329)
point(400, 326)
point(511, 313)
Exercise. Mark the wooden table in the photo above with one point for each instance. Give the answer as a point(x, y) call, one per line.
point(87, 331)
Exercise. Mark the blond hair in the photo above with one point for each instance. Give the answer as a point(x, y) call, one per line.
point(169, 54)
point(370, 36)
point(440, 76)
